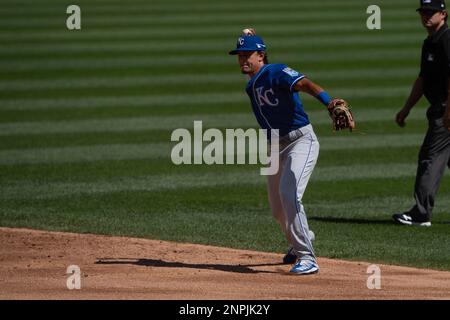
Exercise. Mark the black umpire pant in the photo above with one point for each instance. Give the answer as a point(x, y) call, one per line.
point(434, 157)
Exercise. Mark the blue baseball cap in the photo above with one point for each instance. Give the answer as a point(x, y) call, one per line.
point(249, 43)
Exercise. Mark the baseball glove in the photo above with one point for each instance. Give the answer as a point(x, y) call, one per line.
point(341, 116)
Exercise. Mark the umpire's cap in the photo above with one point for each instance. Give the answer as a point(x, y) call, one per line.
point(433, 5)
point(249, 43)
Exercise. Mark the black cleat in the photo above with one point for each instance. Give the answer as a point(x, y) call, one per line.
point(406, 219)
point(290, 257)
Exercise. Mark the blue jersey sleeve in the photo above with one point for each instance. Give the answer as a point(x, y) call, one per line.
point(287, 77)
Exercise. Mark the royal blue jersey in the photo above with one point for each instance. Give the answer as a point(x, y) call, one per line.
point(275, 104)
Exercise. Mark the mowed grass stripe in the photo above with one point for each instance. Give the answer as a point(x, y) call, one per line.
point(117, 82)
point(139, 7)
point(231, 120)
point(175, 32)
point(168, 100)
point(149, 101)
point(220, 120)
point(192, 18)
point(183, 45)
point(217, 60)
point(146, 183)
point(382, 207)
point(204, 61)
point(353, 211)
point(128, 112)
point(39, 190)
point(163, 4)
point(163, 150)
point(179, 79)
point(86, 153)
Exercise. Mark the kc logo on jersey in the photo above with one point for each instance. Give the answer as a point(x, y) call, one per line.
point(430, 57)
point(265, 98)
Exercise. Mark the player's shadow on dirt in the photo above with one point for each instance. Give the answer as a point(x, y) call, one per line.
point(168, 264)
point(351, 220)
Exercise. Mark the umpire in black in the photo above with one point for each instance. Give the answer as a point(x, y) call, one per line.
point(433, 82)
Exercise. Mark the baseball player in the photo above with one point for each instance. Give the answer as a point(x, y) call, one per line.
point(272, 89)
point(433, 82)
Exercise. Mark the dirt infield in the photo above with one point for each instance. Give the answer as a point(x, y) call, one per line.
point(33, 265)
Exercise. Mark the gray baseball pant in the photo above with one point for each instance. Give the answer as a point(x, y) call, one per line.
point(286, 189)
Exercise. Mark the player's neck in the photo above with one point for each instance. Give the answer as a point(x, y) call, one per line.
point(257, 69)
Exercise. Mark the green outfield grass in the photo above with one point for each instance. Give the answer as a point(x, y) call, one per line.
point(86, 119)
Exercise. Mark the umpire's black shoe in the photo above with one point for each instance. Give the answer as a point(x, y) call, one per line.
point(406, 219)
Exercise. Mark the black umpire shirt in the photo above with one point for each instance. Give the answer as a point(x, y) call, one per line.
point(435, 71)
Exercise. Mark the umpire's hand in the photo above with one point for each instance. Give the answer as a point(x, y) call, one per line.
point(401, 116)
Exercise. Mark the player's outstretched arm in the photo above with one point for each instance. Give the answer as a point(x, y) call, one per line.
point(306, 85)
point(342, 117)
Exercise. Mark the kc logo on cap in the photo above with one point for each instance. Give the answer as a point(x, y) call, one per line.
point(249, 43)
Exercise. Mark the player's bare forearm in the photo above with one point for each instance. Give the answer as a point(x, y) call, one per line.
point(306, 85)
point(313, 89)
